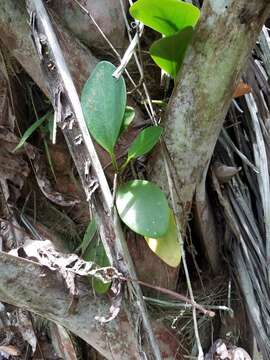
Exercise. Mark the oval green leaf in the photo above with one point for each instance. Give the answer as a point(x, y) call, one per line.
point(143, 207)
point(169, 52)
point(167, 247)
point(144, 142)
point(165, 16)
point(103, 102)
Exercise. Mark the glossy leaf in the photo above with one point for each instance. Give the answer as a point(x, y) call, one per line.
point(167, 247)
point(103, 102)
point(143, 207)
point(165, 16)
point(128, 118)
point(144, 142)
point(168, 52)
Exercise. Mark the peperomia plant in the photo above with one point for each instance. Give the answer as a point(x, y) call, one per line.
point(175, 20)
point(141, 205)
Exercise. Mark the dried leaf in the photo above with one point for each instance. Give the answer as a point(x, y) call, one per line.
point(220, 351)
point(13, 168)
point(70, 265)
point(62, 342)
point(46, 187)
point(26, 329)
point(242, 89)
point(10, 350)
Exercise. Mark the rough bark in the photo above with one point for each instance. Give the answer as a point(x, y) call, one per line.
point(15, 34)
point(204, 88)
point(107, 14)
point(35, 288)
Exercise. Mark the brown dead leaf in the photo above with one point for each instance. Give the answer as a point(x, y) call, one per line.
point(241, 90)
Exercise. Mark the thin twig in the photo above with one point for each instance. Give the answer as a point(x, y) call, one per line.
point(174, 295)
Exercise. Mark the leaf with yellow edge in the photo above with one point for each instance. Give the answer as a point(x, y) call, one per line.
point(167, 247)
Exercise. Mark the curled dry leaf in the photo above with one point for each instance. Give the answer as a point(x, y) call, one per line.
point(70, 265)
point(220, 351)
point(242, 89)
point(225, 173)
point(46, 186)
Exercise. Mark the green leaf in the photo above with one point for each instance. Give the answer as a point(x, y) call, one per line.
point(143, 207)
point(167, 247)
point(103, 102)
point(88, 237)
point(128, 118)
point(92, 250)
point(95, 252)
point(144, 142)
point(168, 52)
point(165, 16)
point(30, 130)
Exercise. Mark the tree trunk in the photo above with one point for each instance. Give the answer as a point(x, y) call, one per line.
point(204, 88)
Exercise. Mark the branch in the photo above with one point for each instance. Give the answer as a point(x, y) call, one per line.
point(38, 289)
point(70, 117)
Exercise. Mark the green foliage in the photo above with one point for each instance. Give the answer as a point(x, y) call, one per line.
point(143, 207)
point(167, 247)
point(169, 52)
point(175, 20)
point(104, 101)
point(88, 237)
point(165, 16)
point(128, 118)
point(95, 252)
point(32, 129)
point(144, 142)
point(91, 249)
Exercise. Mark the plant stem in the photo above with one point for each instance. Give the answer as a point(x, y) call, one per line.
point(114, 163)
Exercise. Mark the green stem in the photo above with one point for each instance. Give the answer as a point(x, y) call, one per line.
point(122, 167)
point(114, 163)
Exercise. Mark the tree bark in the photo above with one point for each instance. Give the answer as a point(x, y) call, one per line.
point(15, 35)
point(107, 14)
point(204, 88)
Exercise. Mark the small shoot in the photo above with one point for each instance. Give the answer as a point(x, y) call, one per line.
point(175, 20)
